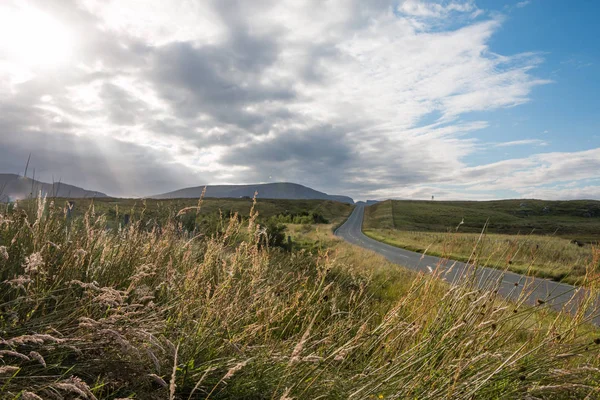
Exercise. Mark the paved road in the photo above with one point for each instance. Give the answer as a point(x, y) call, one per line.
point(553, 294)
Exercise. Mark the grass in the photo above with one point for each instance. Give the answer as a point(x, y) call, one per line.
point(159, 211)
point(151, 313)
point(578, 219)
point(316, 238)
point(429, 226)
point(542, 256)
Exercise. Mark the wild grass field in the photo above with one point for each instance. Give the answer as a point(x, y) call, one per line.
point(153, 312)
point(273, 214)
point(157, 211)
point(547, 239)
point(576, 219)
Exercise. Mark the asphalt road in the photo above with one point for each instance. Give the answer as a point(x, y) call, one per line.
point(533, 291)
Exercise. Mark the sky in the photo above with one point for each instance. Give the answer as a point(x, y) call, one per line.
point(456, 99)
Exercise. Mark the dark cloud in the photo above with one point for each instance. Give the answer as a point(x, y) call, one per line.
point(103, 164)
point(330, 157)
point(296, 151)
point(217, 81)
point(319, 156)
point(123, 109)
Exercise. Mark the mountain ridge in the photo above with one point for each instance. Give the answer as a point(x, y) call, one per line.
point(17, 187)
point(278, 190)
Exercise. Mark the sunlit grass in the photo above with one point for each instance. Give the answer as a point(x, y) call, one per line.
point(542, 256)
point(545, 256)
point(153, 312)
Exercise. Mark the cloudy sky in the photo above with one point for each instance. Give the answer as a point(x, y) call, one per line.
point(373, 99)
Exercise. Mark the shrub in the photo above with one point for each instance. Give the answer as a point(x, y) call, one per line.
point(303, 217)
point(274, 234)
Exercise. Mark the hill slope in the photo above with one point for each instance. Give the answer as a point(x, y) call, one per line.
point(16, 187)
point(283, 190)
point(579, 219)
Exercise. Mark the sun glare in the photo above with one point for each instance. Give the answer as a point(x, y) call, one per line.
point(32, 39)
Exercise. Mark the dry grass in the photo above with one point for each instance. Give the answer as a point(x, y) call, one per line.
point(440, 229)
point(151, 314)
point(542, 256)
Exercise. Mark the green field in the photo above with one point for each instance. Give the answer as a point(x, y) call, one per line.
point(528, 237)
point(158, 211)
point(579, 219)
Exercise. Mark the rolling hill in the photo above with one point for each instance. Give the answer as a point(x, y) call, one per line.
point(16, 187)
point(283, 190)
point(573, 219)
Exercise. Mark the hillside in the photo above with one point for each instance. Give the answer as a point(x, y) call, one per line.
point(161, 210)
point(16, 187)
point(547, 239)
point(282, 190)
point(575, 219)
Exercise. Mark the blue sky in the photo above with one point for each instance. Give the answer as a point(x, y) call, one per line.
point(461, 99)
point(563, 113)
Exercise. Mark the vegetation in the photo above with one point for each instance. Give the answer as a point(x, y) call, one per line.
point(304, 217)
point(148, 312)
point(542, 256)
point(151, 211)
point(430, 226)
point(207, 220)
point(578, 219)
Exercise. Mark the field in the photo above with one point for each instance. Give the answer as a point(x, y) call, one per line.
point(153, 312)
point(541, 243)
point(150, 210)
point(579, 219)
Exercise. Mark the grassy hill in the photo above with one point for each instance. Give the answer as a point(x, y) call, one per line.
point(579, 219)
point(279, 190)
point(548, 239)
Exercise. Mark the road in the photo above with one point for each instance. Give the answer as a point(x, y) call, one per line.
point(538, 292)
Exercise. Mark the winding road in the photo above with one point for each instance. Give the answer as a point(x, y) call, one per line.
point(540, 292)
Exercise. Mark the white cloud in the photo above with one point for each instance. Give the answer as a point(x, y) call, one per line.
point(431, 9)
point(356, 97)
point(526, 175)
point(523, 142)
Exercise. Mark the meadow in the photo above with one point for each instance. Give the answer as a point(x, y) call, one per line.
point(153, 211)
point(154, 312)
point(547, 239)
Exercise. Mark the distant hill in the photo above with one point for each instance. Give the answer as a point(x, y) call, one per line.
point(16, 187)
point(283, 190)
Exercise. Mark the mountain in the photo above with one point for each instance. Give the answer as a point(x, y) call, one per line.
point(16, 187)
point(282, 190)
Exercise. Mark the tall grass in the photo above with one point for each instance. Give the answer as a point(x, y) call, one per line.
point(542, 256)
point(88, 312)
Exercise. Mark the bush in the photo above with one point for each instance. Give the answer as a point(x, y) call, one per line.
point(274, 234)
point(303, 217)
